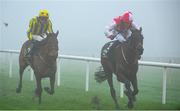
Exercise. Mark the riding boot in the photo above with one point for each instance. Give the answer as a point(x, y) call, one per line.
point(111, 50)
point(31, 49)
point(35, 46)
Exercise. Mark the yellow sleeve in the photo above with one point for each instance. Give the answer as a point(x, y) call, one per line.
point(30, 36)
point(29, 32)
point(50, 30)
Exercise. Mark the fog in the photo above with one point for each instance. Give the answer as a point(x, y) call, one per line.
point(82, 23)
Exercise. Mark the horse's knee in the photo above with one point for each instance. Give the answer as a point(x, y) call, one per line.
point(38, 91)
point(135, 92)
point(127, 84)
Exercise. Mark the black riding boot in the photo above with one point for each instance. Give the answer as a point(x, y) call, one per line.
point(29, 51)
point(32, 49)
point(111, 50)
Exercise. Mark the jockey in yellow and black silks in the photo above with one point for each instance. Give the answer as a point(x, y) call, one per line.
point(38, 26)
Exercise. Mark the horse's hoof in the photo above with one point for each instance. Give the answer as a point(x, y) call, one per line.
point(47, 89)
point(130, 105)
point(117, 108)
point(18, 90)
point(35, 97)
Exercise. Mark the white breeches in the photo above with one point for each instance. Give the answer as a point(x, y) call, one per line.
point(38, 37)
point(123, 36)
point(120, 38)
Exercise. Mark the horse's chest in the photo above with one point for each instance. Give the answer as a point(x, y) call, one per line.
point(45, 71)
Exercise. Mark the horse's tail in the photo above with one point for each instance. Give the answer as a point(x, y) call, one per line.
point(100, 75)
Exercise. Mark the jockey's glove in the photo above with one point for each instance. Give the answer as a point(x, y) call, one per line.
point(43, 35)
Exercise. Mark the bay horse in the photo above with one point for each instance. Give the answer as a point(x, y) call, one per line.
point(124, 65)
point(43, 63)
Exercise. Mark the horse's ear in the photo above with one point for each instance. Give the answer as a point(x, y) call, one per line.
point(132, 30)
point(140, 29)
point(57, 33)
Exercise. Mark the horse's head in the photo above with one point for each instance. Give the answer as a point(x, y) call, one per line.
point(52, 45)
point(136, 42)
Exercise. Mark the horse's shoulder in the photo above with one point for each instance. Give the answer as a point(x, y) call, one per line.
point(26, 44)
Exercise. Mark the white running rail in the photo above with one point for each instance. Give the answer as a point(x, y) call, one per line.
point(92, 59)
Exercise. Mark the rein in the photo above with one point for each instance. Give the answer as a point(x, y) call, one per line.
point(124, 57)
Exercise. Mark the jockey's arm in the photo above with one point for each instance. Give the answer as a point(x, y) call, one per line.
point(29, 32)
point(50, 30)
point(110, 31)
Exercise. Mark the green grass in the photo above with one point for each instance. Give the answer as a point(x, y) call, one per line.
point(71, 94)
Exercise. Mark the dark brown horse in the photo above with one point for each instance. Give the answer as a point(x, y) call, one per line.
point(43, 62)
point(124, 64)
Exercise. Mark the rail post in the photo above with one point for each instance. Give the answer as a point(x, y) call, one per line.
point(121, 90)
point(87, 76)
point(32, 74)
point(164, 85)
point(10, 65)
point(58, 72)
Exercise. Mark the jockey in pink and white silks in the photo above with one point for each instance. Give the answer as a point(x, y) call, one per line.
point(121, 27)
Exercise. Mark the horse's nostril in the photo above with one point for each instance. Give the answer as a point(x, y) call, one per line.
point(140, 50)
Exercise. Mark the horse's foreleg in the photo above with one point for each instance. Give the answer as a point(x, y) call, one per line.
point(135, 87)
point(113, 93)
point(38, 91)
point(21, 70)
point(52, 82)
point(127, 83)
point(128, 91)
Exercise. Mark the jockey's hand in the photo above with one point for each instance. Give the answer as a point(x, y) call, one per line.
point(43, 35)
point(111, 37)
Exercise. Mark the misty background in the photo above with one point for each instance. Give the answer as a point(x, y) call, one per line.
point(82, 24)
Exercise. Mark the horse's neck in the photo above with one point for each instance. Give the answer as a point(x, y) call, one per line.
point(129, 53)
point(43, 50)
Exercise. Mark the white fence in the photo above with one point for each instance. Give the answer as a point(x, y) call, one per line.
point(91, 59)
